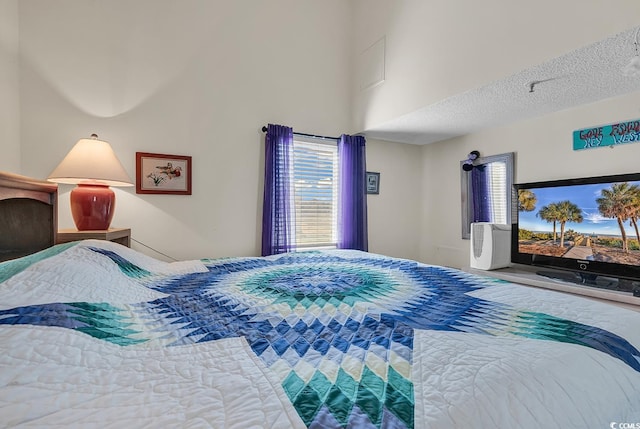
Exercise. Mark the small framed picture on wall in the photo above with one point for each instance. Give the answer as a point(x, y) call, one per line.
point(373, 183)
point(158, 173)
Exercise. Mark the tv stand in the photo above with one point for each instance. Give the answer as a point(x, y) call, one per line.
point(586, 279)
point(530, 276)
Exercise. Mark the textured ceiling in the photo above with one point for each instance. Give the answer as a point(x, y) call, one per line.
point(583, 76)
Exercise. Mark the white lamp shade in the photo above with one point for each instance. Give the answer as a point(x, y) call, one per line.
point(91, 160)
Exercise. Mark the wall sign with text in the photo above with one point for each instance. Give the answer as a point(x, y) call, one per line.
point(607, 135)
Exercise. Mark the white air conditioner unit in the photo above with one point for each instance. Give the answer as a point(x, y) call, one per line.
point(490, 245)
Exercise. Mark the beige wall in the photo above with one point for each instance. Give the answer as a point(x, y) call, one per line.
point(198, 78)
point(9, 94)
point(544, 151)
point(193, 77)
point(394, 214)
point(438, 49)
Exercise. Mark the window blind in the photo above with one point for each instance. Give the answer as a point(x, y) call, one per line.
point(498, 189)
point(315, 185)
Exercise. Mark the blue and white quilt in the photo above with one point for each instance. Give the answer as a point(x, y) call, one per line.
point(96, 334)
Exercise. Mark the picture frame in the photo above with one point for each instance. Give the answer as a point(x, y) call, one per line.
point(373, 182)
point(158, 173)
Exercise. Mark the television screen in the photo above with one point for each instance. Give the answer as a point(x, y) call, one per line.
point(587, 225)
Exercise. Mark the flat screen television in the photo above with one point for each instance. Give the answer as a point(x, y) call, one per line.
point(583, 230)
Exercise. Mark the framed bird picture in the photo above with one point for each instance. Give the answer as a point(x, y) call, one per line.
point(158, 173)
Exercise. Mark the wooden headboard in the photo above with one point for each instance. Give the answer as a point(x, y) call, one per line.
point(28, 215)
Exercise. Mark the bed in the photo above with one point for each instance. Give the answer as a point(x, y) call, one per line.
point(94, 334)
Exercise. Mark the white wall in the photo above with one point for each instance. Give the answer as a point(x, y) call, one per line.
point(199, 78)
point(9, 82)
point(394, 214)
point(544, 151)
point(195, 77)
point(439, 48)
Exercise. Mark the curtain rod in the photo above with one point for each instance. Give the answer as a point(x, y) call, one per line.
point(264, 130)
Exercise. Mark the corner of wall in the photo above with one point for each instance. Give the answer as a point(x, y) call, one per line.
point(9, 86)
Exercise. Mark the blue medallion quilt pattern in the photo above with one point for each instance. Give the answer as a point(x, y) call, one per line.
point(337, 330)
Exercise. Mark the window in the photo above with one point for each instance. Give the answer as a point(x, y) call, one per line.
point(315, 191)
point(314, 188)
point(487, 191)
point(498, 192)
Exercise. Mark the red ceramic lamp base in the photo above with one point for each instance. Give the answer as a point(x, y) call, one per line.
point(92, 206)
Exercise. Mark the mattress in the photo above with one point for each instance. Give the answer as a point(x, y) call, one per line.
point(94, 334)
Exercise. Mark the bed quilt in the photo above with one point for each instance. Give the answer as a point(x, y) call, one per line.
point(93, 333)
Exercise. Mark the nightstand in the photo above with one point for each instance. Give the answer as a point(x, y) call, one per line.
point(117, 235)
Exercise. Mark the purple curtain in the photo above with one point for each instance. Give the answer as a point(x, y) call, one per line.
point(277, 222)
point(480, 195)
point(352, 194)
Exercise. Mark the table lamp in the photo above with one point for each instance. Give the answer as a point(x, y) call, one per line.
point(93, 166)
